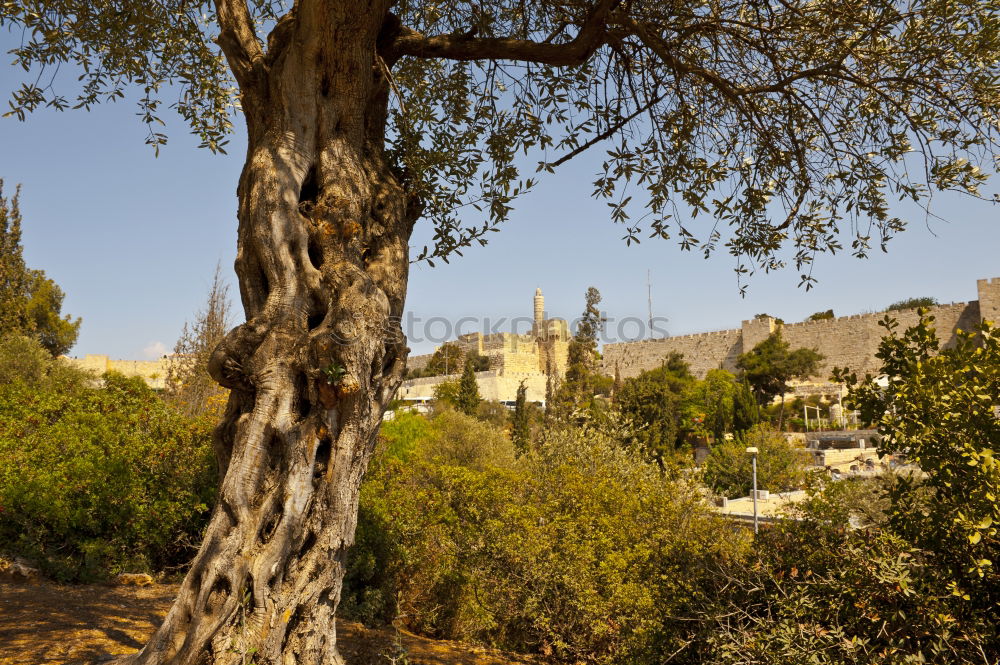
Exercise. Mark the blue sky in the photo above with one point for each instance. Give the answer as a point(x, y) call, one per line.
point(133, 240)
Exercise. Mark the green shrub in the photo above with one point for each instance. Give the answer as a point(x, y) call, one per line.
point(780, 465)
point(912, 303)
point(96, 480)
point(939, 409)
point(813, 592)
point(576, 550)
point(455, 439)
point(403, 432)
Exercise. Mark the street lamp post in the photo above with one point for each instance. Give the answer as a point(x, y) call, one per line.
point(753, 460)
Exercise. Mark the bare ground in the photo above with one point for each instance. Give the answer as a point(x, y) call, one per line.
point(48, 624)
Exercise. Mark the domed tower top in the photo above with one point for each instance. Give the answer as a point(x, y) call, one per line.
point(539, 309)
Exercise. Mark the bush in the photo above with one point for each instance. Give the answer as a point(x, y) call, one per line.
point(576, 550)
point(96, 480)
point(939, 409)
point(912, 303)
point(455, 439)
point(814, 592)
point(780, 465)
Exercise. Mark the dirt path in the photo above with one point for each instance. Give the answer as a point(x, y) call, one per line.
point(47, 624)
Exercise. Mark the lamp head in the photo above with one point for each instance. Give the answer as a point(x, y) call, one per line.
point(752, 450)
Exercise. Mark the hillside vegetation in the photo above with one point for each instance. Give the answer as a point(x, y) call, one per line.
point(591, 541)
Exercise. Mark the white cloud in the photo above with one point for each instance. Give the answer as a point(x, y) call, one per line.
point(154, 350)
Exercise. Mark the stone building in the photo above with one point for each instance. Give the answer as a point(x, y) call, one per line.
point(532, 357)
point(847, 341)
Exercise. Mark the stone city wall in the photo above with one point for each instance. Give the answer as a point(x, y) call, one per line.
point(852, 341)
point(153, 372)
point(418, 362)
point(703, 352)
point(848, 341)
point(989, 299)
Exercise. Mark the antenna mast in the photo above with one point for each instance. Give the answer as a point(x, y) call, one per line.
point(649, 299)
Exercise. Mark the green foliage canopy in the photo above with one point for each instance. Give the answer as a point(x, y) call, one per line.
point(780, 465)
point(652, 402)
point(821, 316)
point(520, 421)
point(736, 109)
point(582, 382)
point(445, 360)
point(912, 303)
point(468, 399)
point(811, 592)
point(746, 411)
point(709, 404)
point(577, 549)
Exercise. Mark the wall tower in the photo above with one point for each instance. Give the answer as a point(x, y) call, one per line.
point(989, 299)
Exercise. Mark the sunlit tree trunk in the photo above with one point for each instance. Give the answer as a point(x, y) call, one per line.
point(322, 264)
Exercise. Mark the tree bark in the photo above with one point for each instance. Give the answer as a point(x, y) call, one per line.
point(324, 225)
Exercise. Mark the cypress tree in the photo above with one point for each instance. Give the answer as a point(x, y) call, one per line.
point(30, 302)
point(468, 398)
point(746, 413)
point(520, 422)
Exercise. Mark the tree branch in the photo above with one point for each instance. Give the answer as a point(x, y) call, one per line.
point(238, 40)
point(458, 47)
point(608, 133)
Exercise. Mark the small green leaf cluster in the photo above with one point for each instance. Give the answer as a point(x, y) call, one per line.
point(821, 316)
point(912, 303)
point(334, 373)
point(96, 480)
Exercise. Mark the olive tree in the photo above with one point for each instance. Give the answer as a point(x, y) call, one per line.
point(788, 125)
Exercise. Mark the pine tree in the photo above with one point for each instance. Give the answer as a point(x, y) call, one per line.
point(591, 322)
point(468, 398)
point(520, 422)
point(13, 273)
point(769, 366)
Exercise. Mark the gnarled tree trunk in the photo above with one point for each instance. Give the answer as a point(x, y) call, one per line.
point(322, 265)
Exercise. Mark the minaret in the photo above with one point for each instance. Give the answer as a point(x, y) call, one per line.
point(539, 312)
